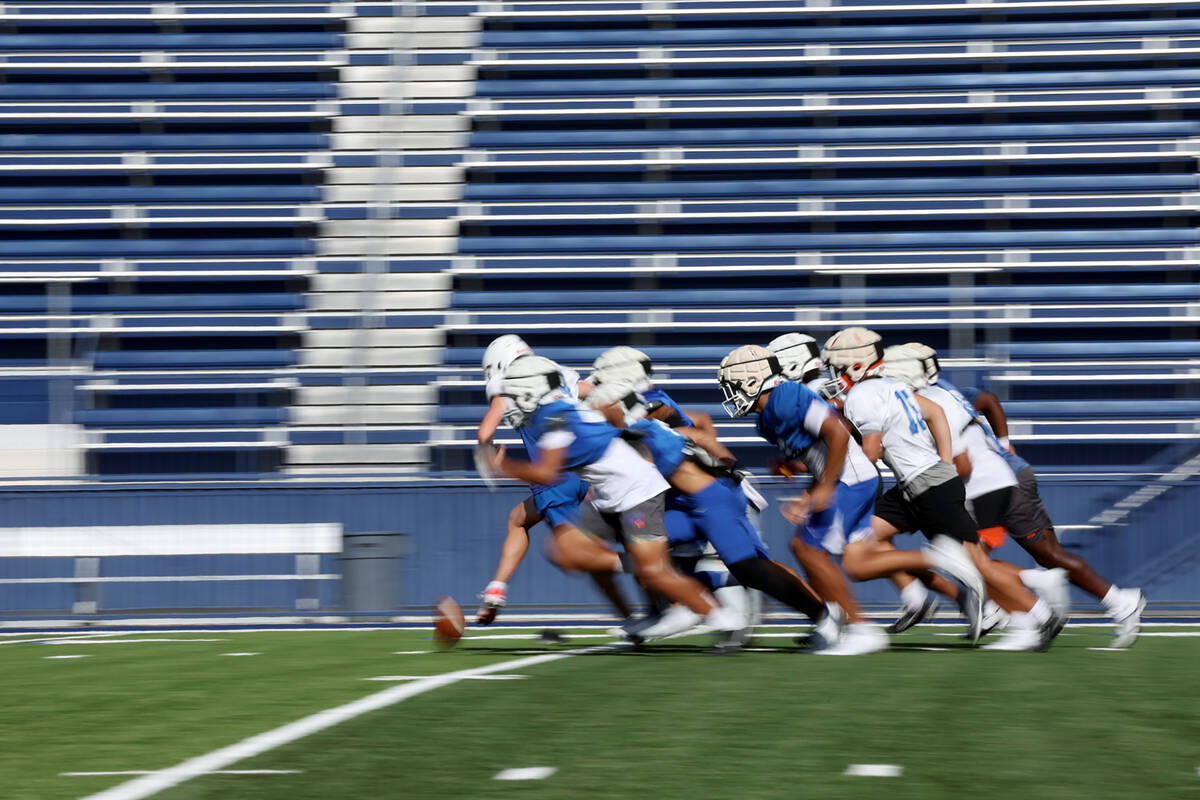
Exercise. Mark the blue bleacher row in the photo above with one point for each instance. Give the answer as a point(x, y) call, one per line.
point(720, 31)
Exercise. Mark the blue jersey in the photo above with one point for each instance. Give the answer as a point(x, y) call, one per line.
point(659, 396)
point(792, 418)
point(567, 423)
point(667, 448)
point(968, 395)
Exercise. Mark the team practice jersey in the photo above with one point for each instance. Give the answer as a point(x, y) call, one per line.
point(1014, 461)
point(620, 477)
point(667, 448)
point(988, 470)
point(569, 388)
point(792, 420)
point(887, 406)
point(653, 395)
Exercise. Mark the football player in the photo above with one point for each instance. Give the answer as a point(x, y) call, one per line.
point(989, 485)
point(837, 507)
point(568, 436)
point(629, 366)
point(912, 436)
point(557, 505)
point(697, 467)
point(1031, 526)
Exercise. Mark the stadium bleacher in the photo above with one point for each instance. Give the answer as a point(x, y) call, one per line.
point(275, 237)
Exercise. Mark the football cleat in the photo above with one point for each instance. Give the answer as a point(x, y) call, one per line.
point(494, 598)
point(1129, 625)
point(1020, 639)
point(826, 631)
point(856, 640)
point(914, 615)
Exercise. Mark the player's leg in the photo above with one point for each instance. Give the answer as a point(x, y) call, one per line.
point(721, 514)
point(848, 518)
point(1038, 539)
point(942, 510)
point(644, 532)
point(521, 518)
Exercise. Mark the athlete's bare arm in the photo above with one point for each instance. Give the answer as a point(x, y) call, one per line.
point(872, 445)
point(708, 440)
point(545, 470)
point(933, 415)
point(491, 421)
point(989, 405)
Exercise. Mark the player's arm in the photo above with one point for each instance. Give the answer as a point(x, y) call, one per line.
point(702, 420)
point(962, 463)
point(708, 440)
point(837, 444)
point(989, 405)
point(545, 470)
point(491, 421)
point(872, 445)
point(935, 418)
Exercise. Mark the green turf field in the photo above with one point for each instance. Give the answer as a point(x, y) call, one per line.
point(667, 721)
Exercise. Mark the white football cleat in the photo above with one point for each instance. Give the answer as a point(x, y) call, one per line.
point(674, 620)
point(1130, 624)
point(1020, 639)
point(857, 639)
point(826, 631)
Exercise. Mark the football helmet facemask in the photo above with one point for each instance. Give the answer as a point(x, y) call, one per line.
point(526, 381)
point(745, 374)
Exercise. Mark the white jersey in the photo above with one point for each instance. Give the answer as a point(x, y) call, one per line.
point(989, 472)
point(621, 479)
point(887, 406)
point(569, 377)
point(857, 467)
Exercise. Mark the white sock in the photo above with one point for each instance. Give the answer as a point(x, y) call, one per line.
point(914, 595)
point(1112, 598)
point(1040, 612)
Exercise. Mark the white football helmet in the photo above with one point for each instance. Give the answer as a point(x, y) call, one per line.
point(632, 404)
point(854, 354)
point(903, 362)
point(526, 381)
point(622, 364)
point(744, 374)
point(929, 360)
point(501, 352)
point(798, 354)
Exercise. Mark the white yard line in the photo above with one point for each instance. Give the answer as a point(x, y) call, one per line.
point(468, 678)
point(241, 654)
point(81, 655)
point(525, 773)
point(151, 772)
point(147, 785)
point(874, 770)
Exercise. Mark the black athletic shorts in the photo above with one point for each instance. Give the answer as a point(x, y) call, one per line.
point(937, 510)
point(1027, 515)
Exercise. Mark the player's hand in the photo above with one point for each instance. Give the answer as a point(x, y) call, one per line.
point(494, 597)
point(796, 511)
point(492, 459)
point(821, 497)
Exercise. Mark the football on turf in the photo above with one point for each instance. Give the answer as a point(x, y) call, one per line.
point(448, 622)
